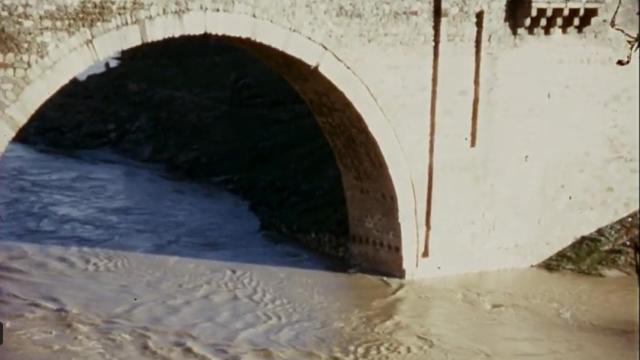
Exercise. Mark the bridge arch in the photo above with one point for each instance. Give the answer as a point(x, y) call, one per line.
point(378, 187)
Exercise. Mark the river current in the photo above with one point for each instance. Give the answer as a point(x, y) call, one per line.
point(105, 258)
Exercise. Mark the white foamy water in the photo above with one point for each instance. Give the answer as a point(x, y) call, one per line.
point(102, 258)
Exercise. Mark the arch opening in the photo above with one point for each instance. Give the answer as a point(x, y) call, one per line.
point(375, 234)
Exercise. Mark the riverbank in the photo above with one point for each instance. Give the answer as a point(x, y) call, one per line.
point(609, 251)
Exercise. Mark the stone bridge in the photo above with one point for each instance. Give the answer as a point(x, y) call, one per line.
point(471, 134)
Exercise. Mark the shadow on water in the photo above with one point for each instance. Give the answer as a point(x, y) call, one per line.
point(96, 199)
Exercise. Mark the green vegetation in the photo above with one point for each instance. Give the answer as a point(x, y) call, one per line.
point(614, 246)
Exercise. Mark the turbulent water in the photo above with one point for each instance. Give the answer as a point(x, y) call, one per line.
point(102, 258)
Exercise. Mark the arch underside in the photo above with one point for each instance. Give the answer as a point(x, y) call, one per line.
point(374, 228)
point(371, 166)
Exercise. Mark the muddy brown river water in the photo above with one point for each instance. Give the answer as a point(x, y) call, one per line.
point(103, 258)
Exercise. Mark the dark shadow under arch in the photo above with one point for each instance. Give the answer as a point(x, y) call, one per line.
point(375, 237)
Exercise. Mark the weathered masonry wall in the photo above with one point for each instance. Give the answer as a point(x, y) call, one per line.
point(556, 151)
point(508, 132)
point(310, 42)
